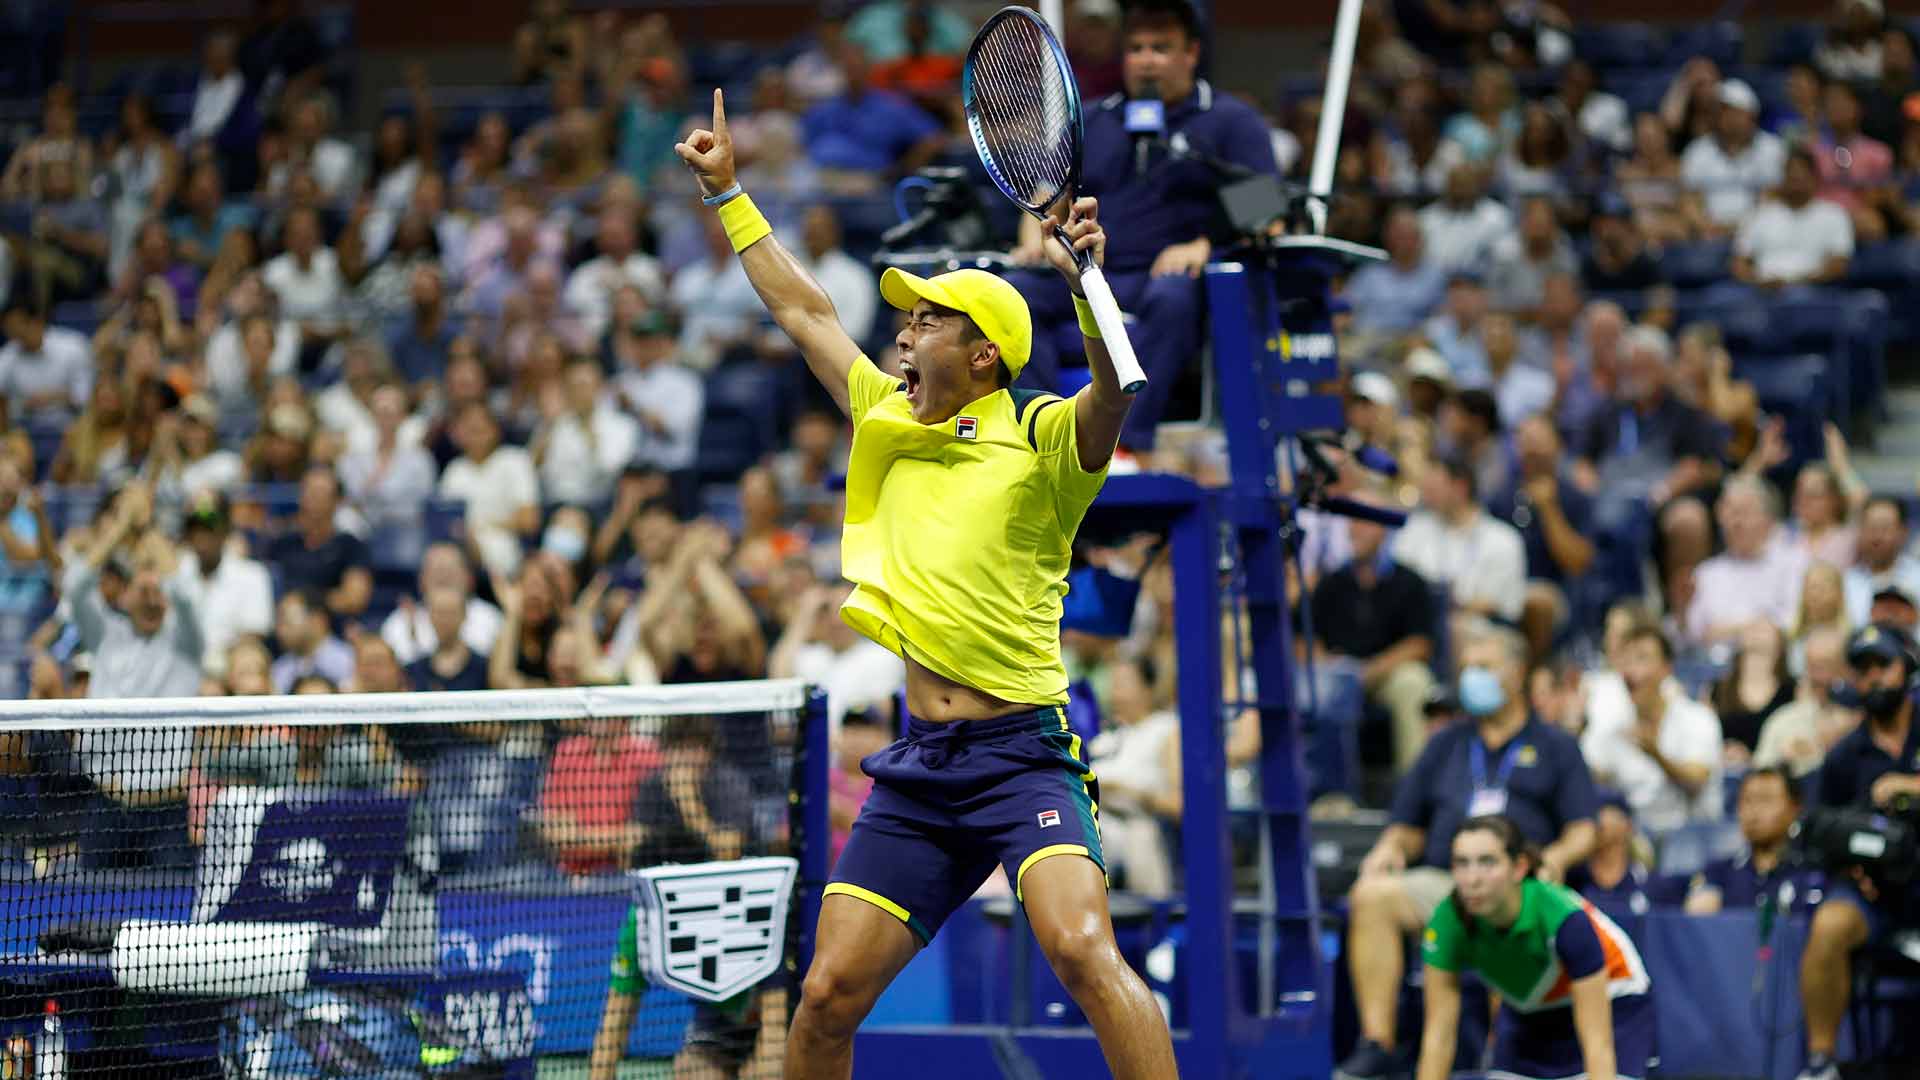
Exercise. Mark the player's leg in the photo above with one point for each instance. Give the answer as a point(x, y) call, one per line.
point(1169, 315)
point(1044, 818)
point(1840, 925)
point(1383, 911)
point(860, 949)
point(1066, 902)
point(903, 871)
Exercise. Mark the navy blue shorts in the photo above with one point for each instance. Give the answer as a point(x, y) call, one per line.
point(1545, 1046)
point(950, 801)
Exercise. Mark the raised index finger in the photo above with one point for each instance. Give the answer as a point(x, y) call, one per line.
point(719, 113)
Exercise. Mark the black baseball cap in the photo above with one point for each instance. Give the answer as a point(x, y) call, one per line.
point(1879, 643)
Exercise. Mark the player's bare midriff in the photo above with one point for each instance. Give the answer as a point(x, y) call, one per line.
point(934, 698)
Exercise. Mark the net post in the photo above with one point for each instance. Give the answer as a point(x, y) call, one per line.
point(816, 832)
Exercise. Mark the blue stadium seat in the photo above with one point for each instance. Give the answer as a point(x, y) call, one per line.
point(1640, 88)
point(1690, 266)
point(444, 519)
point(1718, 41)
point(1893, 269)
point(1688, 849)
point(1616, 45)
point(1794, 42)
point(1799, 389)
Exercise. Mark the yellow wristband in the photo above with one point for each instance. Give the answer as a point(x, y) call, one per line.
point(1084, 312)
point(745, 224)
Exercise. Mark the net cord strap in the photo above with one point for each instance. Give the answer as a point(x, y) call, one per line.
point(457, 707)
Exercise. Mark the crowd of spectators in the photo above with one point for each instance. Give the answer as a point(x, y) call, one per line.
point(482, 399)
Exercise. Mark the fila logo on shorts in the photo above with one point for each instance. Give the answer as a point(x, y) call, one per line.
point(1048, 818)
point(966, 427)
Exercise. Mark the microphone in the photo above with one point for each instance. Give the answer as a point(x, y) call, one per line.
point(1145, 118)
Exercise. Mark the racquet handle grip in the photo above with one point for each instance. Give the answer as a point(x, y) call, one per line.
point(1113, 330)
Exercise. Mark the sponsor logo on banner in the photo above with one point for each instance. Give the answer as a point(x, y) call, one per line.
point(711, 930)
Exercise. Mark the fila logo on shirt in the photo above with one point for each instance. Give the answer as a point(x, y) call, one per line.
point(966, 427)
point(1048, 818)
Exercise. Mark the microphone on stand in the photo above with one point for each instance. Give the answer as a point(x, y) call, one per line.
point(1145, 117)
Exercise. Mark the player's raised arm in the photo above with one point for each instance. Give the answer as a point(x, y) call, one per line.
point(1101, 407)
point(795, 299)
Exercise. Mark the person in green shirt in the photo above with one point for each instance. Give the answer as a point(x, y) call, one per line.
point(1572, 990)
point(742, 1038)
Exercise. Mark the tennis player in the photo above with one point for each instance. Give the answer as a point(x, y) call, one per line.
point(1573, 992)
point(962, 503)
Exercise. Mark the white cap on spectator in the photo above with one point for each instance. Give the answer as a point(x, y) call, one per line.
point(1375, 387)
point(1424, 363)
point(1739, 95)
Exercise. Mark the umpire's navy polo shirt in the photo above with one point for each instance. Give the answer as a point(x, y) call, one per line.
point(1548, 785)
point(1740, 884)
point(1854, 763)
point(1173, 201)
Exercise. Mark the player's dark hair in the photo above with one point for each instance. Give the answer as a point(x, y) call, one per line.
point(1512, 841)
point(1136, 14)
point(1780, 772)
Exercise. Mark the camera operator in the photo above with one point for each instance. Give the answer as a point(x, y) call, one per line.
point(1877, 764)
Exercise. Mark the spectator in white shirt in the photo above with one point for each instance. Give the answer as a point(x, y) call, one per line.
point(45, 371)
point(1521, 389)
point(719, 305)
point(307, 145)
point(187, 457)
point(582, 451)
point(1460, 228)
point(306, 278)
point(346, 407)
point(590, 287)
point(499, 486)
point(1883, 561)
point(410, 628)
point(1758, 575)
point(391, 479)
point(1452, 540)
point(1726, 171)
point(667, 398)
point(1796, 239)
point(234, 594)
point(848, 283)
point(1601, 117)
point(1665, 757)
point(217, 92)
point(307, 643)
point(819, 647)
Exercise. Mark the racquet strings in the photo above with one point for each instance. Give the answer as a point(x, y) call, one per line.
point(1023, 111)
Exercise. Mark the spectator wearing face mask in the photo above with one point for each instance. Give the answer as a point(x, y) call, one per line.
point(1503, 761)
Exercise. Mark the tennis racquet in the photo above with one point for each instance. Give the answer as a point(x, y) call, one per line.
point(1023, 110)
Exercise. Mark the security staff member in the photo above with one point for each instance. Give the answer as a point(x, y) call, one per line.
point(1878, 763)
point(1165, 190)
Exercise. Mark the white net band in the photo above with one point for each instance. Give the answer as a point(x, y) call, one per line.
point(476, 706)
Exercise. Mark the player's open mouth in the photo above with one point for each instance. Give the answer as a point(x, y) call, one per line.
point(911, 375)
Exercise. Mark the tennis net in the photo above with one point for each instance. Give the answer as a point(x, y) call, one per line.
point(454, 884)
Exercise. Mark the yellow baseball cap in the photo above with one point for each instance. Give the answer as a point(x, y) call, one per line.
point(996, 307)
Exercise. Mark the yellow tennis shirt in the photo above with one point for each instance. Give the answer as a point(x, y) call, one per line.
point(959, 534)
